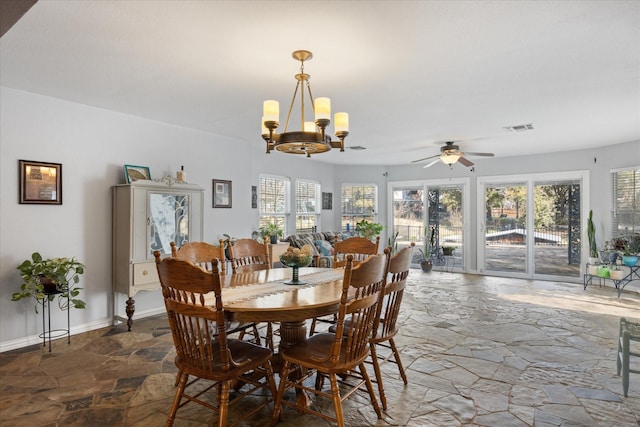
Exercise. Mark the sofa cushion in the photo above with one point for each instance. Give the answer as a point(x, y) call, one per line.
point(324, 247)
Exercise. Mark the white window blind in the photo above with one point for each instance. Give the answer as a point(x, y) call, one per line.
point(273, 196)
point(307, 206)
point(359, 201)
point(626, 201)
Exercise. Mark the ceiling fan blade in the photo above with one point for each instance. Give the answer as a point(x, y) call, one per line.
point(465, 161)
point(432, 163)
point(479, 154)
point(426, 158)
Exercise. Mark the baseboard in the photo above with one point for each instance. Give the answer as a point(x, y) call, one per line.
point(77, 329)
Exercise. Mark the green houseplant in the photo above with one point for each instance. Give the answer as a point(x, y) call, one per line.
point(45, 278)
point(368, 230)
point(591, 235)
point(272, 231)
point(428, 241)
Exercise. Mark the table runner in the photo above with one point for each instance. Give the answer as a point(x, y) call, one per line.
point(246, 292)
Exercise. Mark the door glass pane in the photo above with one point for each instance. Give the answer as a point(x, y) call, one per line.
point(505, 236)
point(168, 221)
point(445, 222)
point(408, 218)
point(557, 228)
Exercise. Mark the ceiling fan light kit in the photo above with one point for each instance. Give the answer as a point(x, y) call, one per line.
point(312, 138)
point(450, 154)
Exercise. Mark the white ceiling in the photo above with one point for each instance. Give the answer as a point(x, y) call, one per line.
point(409, 73)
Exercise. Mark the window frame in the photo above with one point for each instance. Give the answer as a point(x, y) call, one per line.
point(316, 202)
point(634, 211)
point(280, 217)
point(348, 219)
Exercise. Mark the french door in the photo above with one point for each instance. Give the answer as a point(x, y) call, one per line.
point(531, 226)
point(433, 211)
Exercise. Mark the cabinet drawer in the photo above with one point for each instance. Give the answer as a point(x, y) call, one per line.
point(145, 273)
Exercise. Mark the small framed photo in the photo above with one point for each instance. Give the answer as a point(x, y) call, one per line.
point(134, 173)
point(40, 182)
point(327, 201)
point(254, 196)
point(221, 193)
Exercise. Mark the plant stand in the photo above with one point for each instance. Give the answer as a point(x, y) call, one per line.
point(48, 332)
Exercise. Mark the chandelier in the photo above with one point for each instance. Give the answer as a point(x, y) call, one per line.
point(312, 139)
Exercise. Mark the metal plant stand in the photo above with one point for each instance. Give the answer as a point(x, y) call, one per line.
point(48, 332)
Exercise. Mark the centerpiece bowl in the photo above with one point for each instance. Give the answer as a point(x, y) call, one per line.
point(295, 261)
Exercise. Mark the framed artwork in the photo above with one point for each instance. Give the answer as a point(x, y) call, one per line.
point(40, 182)
point(134, 173)
point(254, 197)
point(221, 193)
point(327, 201)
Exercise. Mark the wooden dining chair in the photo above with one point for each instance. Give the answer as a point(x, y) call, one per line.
point(247, 255)
point(194, 306)
point(386, 326)
point(360, 248)
point(201, 254)
point(338, 355)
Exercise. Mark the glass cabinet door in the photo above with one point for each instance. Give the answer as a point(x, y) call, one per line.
point(168, 221)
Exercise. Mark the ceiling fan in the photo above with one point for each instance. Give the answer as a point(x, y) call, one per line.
point(449, 154)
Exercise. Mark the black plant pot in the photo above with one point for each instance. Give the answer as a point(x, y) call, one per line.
point(426, 265)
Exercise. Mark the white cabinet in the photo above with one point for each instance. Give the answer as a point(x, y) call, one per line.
point(147, 216)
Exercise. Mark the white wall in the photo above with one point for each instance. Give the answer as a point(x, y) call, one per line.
point(93, 145)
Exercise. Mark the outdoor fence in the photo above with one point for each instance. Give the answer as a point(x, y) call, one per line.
point(548, 236)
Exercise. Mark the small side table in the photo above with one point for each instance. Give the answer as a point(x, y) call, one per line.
point(48, 332)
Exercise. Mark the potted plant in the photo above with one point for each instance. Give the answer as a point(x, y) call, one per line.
point(630, 249)
point(45, 278)
point(591, 235)
point(448, 250)
point(368, 230)
point(393, 243)
point(272, 231)
point(427, 243)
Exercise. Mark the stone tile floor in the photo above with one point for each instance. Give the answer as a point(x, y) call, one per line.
point(479, 351)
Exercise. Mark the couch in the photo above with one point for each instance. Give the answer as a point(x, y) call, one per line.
point(321, 242)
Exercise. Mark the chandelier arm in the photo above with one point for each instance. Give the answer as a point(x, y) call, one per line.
point(293, 100)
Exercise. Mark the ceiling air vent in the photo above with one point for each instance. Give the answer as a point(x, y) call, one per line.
point(519, 128)
point(357, 147)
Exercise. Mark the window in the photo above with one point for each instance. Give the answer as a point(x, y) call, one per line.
point(358, 202)
point(273, 196)
point(307, 206)
point(626, 201)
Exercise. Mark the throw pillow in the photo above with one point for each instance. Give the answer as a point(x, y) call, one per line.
point(324, 247)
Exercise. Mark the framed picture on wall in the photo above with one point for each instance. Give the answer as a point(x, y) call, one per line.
point(221, 193)
point(327, 201)
point(134, 173)
point(40, 183)
point(254, 197)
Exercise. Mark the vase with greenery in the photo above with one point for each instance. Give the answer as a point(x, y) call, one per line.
point(43, 279)
point(272, 231)
point(591, 235)
point(368, 230)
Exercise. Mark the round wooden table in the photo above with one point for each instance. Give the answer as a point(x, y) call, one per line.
point(262, 296)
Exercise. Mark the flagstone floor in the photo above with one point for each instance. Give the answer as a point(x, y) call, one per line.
point(479, 351)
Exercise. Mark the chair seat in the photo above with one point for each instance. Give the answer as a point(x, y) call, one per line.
point(246, 355)
point(313, 352)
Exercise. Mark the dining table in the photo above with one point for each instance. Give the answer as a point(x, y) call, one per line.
point(262, 296)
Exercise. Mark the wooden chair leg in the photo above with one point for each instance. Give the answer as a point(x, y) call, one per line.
point(180, 373)
point(277, 405)
point(376, 369)
point(372, 394)
point(223, 408)
point(182, 384)
point(396, 354)
point(337, 402)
